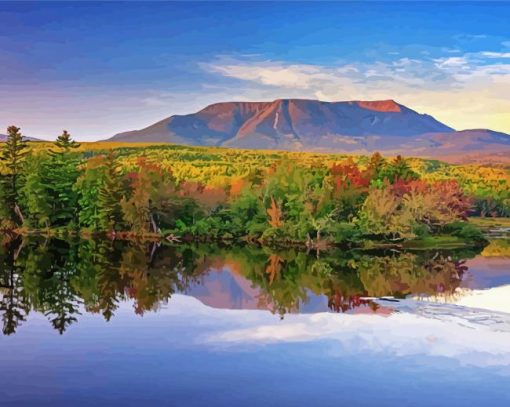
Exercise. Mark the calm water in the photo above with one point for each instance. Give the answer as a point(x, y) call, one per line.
point(109, 323)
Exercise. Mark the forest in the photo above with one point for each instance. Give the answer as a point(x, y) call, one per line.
point(183, 193)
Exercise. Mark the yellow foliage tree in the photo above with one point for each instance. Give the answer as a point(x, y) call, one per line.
point(275, 214)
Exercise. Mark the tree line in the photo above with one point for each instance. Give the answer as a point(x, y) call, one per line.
point(66, 189)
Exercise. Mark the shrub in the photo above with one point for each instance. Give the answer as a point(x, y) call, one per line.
point(466, 231)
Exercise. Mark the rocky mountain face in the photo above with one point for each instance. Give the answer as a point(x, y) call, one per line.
point(312, 125)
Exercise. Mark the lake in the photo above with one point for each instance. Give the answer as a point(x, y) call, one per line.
point(96, 322)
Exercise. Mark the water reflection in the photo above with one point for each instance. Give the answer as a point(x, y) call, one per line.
point(64, 279)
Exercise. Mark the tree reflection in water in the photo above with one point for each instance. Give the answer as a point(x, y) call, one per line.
point(63, 279)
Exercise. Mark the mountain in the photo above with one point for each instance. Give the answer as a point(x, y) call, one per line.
point(287, 124)
point(3, 137)
point(312, 125)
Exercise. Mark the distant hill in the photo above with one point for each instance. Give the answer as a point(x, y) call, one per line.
point(312, 125)
point(3, 137)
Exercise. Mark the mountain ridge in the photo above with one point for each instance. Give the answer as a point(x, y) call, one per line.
point(311, 125)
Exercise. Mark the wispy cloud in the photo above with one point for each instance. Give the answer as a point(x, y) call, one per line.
point(467, 91)
point(496, 54)
point(452, 62)
point(469, 37)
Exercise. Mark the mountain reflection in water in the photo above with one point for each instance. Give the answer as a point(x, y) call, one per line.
point(63, 279)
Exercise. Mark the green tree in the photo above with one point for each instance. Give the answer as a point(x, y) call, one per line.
point(87, 187)
point(63, 170)
point(398, 169)
point(249, 216)
point(13, 154)
point(65, 142)
point(382, 215)
point(36, 199)
point(110, 194)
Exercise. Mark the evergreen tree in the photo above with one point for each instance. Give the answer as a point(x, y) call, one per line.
point(65, 142)
point(63, 171)
point(398, 169)
point(87, 186)
point(37, 202)
point(13, 155)
point(14, 150)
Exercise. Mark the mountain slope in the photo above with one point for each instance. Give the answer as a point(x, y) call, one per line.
point(210, 126)
point(284, 121)
point(311, 125)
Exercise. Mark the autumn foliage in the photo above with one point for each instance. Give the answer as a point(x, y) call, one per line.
point(275, 214)
point(200, 193)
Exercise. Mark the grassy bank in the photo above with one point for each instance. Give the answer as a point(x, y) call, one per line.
point(489, 223)
point(441, 242)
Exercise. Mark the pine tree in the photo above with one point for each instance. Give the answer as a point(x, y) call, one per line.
point(398, 169)
point(64, 141)
point(13, 155)
point(63, 172)
point(37, 202)
point(401, 168)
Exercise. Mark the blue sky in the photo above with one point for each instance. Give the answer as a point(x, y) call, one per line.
point(100, 68)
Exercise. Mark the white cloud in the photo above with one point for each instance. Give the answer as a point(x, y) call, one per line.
point(452, 62)
point(469, 37)
point(465, 91)
point(296, 76)
point(496, 54)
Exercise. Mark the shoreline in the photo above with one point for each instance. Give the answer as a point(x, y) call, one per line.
point(440, 242)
